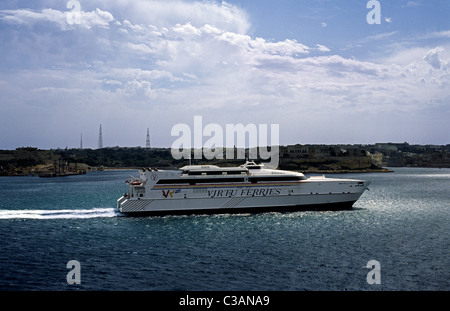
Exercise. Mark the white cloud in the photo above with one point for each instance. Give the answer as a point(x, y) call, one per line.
point(140, 48)
point(187, 29)
point(166, 14)
point(380, 36)
point(444, 34)
point(432, 58)
point(23, 16)
point(65, 19)
point(138, 88)
point(322, 48)
point(410, 4)
point(96, 18)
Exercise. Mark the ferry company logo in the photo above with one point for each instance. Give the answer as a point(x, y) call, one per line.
point(165, 194)
point(154, 177)
point(170, 192)
point(213, 147)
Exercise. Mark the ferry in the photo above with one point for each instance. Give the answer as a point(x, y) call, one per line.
point(248, 188)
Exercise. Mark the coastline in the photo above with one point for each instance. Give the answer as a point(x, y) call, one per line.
point(308, 159)
point(32, 171)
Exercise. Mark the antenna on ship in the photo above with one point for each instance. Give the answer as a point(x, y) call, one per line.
point(100, 138)
point(147, 142)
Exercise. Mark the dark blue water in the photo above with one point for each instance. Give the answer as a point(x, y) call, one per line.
point(403, 222)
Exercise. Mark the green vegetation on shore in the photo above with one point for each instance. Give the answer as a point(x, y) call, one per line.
point(305, 158)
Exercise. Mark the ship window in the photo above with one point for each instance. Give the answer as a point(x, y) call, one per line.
point(254, 167)
point(195, 173)
point(199, 173)
point(276, 178)
point(219, 180)
point(193, 181)
point(235, 172)
point(202, 173)
point(173, 181)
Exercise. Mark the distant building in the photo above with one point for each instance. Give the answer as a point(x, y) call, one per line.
point(376, 158)
point(295, 151)
point(391, 146)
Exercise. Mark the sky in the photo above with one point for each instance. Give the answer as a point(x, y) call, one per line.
point(317, 68)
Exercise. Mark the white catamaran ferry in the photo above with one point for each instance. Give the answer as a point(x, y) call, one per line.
point(246, 188)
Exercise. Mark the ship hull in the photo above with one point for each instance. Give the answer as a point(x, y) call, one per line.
point(148, 207)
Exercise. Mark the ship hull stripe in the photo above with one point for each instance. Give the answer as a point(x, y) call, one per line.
point(253, 210)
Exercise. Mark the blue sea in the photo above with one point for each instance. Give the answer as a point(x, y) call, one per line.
point(402, 222)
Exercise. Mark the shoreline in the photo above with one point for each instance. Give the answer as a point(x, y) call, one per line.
point(307, 171)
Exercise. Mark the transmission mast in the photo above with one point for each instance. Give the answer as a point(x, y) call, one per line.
point(100, 138)
point(147, 142)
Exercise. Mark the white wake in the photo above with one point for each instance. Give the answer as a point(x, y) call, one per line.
point(59, 214)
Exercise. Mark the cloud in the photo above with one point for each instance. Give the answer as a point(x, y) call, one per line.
point(380, 36)
point(410, 4)
point(165, 14)
point(444, 34)
point(187, 29)
point(64, 19)
point(322, 48)
point(140, 48)
point(432, 57)
point(138, 88)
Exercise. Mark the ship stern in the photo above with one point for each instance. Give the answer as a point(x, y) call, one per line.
point(120, 201)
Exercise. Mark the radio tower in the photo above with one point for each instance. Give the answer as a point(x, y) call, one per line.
point(147, 142)
point(81, 141)
point(100, 138)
